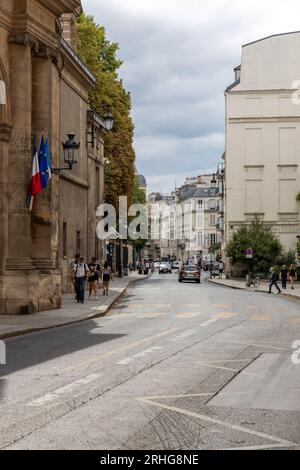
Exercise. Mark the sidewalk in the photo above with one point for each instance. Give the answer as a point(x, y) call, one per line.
point(264, 287)
point(70, 312)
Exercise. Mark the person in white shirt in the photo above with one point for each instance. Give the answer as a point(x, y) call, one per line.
point(80, 273)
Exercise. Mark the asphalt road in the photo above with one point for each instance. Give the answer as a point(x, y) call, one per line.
point(173, 366)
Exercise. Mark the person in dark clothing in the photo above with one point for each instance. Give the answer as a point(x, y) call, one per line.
point(273, 281)
point(292, 275)
point(93, 278)
point(284, 276)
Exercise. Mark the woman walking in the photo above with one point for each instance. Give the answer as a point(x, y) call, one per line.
point(93, 278)
point(107, 277)
point(292, 275)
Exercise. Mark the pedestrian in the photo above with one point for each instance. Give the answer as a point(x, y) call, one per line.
point(211, 268)
point(107, 277)
point(284, 276)
point(72, 266)
point(221, 269)
point(80, 271)
point(93, 278)
point(292, 275)
point(273, 281)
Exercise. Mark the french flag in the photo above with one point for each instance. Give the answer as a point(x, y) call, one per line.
point(35, 184)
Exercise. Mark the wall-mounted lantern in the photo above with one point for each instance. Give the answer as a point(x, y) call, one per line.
point(70, 148)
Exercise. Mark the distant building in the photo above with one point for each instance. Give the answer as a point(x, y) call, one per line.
point(263, 138)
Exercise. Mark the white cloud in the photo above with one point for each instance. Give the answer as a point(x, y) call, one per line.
point(178, 59)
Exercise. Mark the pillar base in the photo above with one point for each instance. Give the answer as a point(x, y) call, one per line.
point(28, 293)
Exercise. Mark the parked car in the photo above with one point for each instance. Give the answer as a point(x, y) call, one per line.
point(175, 265)
point(156, 264)
point(165, 268)
point(189, 273)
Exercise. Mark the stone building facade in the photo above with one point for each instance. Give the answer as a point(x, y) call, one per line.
point(263, 138)
point(46, 89)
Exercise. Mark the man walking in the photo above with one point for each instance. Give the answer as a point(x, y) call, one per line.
point(273, 281)
point(80, 275)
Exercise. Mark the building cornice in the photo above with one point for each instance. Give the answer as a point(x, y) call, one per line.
point(257, 120)
point(63, 6)
point(74, 61)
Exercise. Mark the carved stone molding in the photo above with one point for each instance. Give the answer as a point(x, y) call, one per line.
point(5, 132)
point(39, 49)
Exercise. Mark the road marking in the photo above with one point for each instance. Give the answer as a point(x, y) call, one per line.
point(252, 344)
point(260, 318)
point(267, 446)
point(225, 315)
point(124, 362)
point(294, 320)
point(184, 335)
point(194, 305)
point(221, 306)
point(189, 315)
point(207, 364)
point(122, 349)
point(280, 309)
point(52, 396)
point(252, 307)
point(213, 320)
point(140, 354)
point(152, 315)
point(235, 427)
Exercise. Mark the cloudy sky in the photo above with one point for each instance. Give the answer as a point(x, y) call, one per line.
point(179, 57)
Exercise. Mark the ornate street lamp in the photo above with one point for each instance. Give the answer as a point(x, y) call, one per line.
point(214, 182)
point(109, 122)
point(70, 146)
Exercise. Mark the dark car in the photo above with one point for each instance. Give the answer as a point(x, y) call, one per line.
point(189, 273)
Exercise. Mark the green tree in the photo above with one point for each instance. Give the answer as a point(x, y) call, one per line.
point(267, 249)
point(100, 55)
point(138, 197)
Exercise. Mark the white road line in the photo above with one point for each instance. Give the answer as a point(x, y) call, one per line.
point(252, 344)
point(219, 422)
point(207, 364)
point(184, 335)
point(49, 397)
point(124, 362)
point(213, 320)
point(128, 360)
point(262, 447)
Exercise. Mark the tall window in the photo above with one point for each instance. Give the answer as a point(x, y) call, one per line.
point(212, 219)
point(212, 239)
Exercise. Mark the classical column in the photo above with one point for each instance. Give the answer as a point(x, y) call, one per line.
point(20, 160)
point(45, 118)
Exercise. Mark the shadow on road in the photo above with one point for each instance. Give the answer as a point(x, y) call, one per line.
point(37, 348)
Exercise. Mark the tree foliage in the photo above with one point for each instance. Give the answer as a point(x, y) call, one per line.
point(267, 249)
point(100, 55)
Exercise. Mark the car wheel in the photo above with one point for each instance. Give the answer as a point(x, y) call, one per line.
point(179, 280)
point(198, 282)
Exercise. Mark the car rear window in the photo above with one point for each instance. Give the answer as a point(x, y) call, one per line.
point(190, 268)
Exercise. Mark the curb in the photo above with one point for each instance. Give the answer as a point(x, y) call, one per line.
point(283, 294)
point(15, 334)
